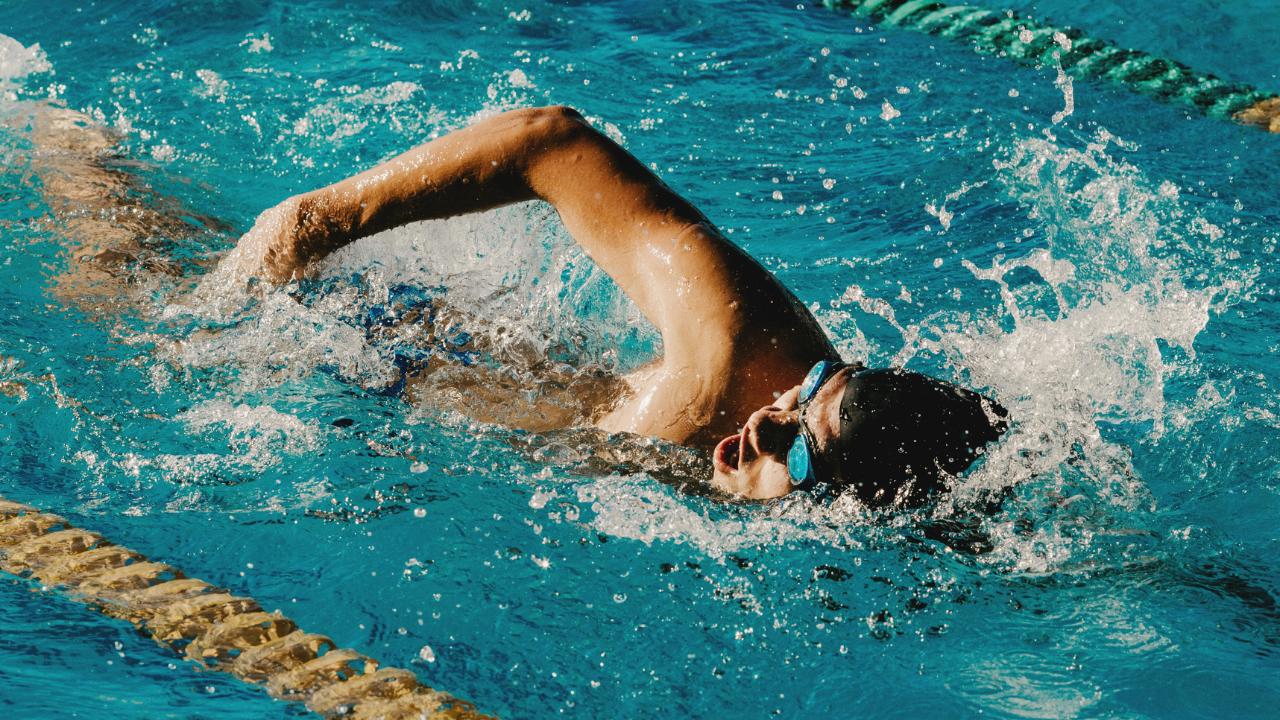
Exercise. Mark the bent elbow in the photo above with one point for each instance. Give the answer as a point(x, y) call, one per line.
point(554, 124)
point(560, 114)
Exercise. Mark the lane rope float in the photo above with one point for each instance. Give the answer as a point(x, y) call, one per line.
point(213, 628)
point(1032, 42)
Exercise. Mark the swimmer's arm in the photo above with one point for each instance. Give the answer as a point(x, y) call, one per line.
point(695, 286)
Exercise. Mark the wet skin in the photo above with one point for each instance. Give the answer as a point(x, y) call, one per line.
point(734, 339)
point(753, 463)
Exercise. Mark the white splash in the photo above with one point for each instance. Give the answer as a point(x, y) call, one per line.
point(260, 434)
point(258, 44)
point(939, 210)
point(531, 290)
point(1090, 328)
point(518, 79)
point(17, 62)
point(1093, 328)
point(212, 86)
point(636, 508)
point(395, 104)
point(1063, 80)
point(255, 438)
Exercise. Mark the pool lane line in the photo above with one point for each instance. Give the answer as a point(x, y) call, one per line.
point(1031, 42)
point(211, 627)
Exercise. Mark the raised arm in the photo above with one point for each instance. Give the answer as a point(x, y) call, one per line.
point(700, 290)
point(610, 203)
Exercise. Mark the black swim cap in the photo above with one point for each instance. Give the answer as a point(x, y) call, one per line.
point(903, 431)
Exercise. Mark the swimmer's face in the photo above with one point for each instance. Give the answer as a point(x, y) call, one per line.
point(753, 463)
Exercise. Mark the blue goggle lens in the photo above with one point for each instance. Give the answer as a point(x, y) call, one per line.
point(800, 456)
point(817, 374)
point(800, 462)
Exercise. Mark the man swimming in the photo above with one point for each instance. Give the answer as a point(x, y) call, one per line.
point(746, 373)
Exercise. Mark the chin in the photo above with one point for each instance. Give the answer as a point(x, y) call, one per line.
point(725, 482)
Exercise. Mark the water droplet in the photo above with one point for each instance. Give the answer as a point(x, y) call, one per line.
point(541, 498)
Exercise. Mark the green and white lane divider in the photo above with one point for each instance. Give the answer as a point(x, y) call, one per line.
point(1032, 42)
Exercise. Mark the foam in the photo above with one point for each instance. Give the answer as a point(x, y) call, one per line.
point(17, 62)
point(254, 439)
point(525, 287)
point(260, 435)
point(1088, 331)
point(1090, 327)
point(637, 509)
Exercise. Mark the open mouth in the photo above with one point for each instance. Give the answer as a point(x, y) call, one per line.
point(726, 455)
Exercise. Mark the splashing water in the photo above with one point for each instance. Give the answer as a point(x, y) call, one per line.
point(17, 62)
point(1113, 293)
point(1087, 333)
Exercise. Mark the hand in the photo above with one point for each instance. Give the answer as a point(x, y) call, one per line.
point(284, 257)
point(272, 250)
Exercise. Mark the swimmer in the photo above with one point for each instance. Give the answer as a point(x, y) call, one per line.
point(747, 373)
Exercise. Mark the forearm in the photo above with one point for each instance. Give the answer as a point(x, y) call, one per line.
point(683, 275)
point(483, 166)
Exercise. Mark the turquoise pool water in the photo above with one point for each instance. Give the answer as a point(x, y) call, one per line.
point(1111, 278)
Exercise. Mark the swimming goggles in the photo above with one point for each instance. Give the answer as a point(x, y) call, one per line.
point(801, 461)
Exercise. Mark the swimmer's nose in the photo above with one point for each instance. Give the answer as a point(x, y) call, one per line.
point(769, 431)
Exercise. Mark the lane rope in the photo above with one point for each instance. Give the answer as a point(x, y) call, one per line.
point(213, 628)
point(1031, 42)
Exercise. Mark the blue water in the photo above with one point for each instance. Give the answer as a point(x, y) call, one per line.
point(1111, 278)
